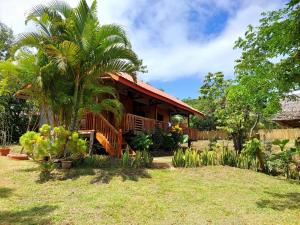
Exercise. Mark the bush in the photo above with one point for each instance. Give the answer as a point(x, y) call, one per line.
point(141, 159)
point(142, 142)
point(56, 143)
point(209, 158)
point(189, 158)
point(252, 156)
point(228, 157)
point(283, 162)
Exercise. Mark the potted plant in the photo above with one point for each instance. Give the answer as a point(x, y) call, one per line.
point(5, 136)
point(66, 164)
point(4, 140)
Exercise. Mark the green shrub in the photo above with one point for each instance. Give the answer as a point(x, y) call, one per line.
point(252, 156)
point(56, 143)
point(147, 158)
point(283, 162)
point(192, 158)
point(209, 158)
point(126, 159)
point(141, 159)
point(281, 143)
point(228, 157)
point(189, 158)
point(178, 159)
point(142, 142)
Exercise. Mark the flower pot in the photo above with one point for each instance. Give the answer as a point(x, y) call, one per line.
point(66, 164)
point(4, 151)
point(17, 156)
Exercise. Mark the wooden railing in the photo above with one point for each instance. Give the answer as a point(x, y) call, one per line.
point(138, 123)
point(113, 137)
point(192, 133)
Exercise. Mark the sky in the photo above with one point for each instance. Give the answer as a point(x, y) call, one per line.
point(179, 41)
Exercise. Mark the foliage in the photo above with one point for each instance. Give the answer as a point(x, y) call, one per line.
point(167, 141)
point(127, 161)
point(283, 162)
point(176, 133)
point(141, 159)
point(194, 158)
point(142, 142)
point(47, 167)
point(188, 158)
point(17, 116)
point(252, 154)
point(73, 52)
point(281, 143)
point(6, 40)
point(209, 158)
point(56, 143)
point(212, 97)
point(5, 129)
point(276, 37)
point(228, 157)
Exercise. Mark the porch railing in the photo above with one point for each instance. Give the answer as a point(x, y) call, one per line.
point(138, 123)
point(133, 122)
point(113, 137)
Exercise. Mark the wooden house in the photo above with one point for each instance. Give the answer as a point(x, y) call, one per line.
point(145, 109)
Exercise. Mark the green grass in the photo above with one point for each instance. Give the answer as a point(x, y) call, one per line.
point(207, 195)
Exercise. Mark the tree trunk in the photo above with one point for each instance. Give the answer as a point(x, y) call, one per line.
point(74, 116)
point(254, 126)
point(238, 141)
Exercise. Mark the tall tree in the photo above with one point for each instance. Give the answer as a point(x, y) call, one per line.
point(272, 49)
point(6, 40)
point(212, 97)
point(74, 51)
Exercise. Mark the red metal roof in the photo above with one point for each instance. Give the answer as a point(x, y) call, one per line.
point(147, 89)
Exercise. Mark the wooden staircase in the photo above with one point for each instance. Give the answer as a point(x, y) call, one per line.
point(106, 134)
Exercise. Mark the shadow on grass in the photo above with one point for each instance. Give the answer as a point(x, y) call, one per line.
point(133, 174)
point(100, 175)
point(281, 202)
point(29, 170)
point(5, 192)
point(34, 215)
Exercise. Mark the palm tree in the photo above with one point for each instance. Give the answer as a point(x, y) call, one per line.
point(75, 49)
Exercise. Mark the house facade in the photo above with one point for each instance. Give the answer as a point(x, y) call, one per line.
point(145, 109)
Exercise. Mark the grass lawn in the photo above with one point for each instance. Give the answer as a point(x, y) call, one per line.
point(207, 195)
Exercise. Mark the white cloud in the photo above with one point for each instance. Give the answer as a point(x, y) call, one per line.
point(160, 31)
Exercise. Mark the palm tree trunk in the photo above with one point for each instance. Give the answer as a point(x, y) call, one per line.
point(74, 116)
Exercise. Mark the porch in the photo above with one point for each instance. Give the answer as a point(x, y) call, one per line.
point(136, 123)
point(111, 137)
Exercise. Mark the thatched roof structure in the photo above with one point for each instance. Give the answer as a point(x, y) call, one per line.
point(290, 114)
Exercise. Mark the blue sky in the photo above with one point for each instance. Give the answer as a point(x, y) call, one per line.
point(180, 41)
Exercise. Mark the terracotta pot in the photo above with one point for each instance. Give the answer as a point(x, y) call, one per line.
point(65, 164)
point(4, 151)
point(16, 156)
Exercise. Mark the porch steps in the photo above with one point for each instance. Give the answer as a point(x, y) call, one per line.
point(105, 143)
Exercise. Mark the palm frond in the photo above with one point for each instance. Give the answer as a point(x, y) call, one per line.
point(112, 33)
point(67, 54)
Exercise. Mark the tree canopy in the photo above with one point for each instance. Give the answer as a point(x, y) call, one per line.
point(6, 40)
point(73, 52)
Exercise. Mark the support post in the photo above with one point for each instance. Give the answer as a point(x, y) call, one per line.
point(92, 135)
point(120, 137)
